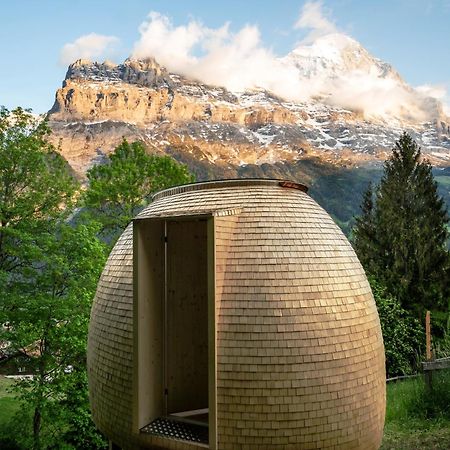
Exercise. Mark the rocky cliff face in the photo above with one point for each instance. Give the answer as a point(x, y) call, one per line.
point(100, 103)
point(142, 93)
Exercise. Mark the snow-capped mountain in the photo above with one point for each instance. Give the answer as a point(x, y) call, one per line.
point(336, 55)
point(337, 70)
point(351, 108)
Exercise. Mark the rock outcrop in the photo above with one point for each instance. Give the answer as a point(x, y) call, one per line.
point(101, 103)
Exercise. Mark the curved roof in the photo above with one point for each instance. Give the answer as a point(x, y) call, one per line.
point(229, 183)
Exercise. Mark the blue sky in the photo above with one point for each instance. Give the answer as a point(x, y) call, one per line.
point(412, 35)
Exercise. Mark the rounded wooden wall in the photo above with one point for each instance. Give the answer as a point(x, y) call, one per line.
point(300, 357)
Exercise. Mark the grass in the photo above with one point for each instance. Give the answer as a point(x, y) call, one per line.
point(8, 403)
point(416, 419)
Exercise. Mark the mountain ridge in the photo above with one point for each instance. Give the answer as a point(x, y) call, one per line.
point(142, 100)
point(100, 103)
point(223, 134)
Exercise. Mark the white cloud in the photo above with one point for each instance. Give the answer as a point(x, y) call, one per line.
point(237, 61)
point(379, 97)
point(90, 46)
point(171, 46)
point(313, 18)
point(438, 92)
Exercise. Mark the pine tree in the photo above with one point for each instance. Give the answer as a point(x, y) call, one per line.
point(364, 237)
point(401, 239)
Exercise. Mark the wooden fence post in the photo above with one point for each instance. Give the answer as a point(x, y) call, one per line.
point(428, 373)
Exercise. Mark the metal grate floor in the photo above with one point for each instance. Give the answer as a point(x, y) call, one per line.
point(173, 429)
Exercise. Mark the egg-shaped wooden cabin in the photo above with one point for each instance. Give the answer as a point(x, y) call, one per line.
point(236, 315)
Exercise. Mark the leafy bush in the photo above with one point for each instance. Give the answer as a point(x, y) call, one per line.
point(80, 431)
point(403, 334)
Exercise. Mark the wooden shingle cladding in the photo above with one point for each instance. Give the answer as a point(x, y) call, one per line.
point(297, 355)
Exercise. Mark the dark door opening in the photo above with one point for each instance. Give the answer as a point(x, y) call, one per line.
point(174, 319)
point(186, 321)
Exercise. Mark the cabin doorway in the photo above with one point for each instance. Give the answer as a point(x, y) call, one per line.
point(174, 319)
point(186, 320)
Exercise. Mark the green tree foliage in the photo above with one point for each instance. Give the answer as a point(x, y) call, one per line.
point(401, 236)
point(403, 335)
point(80, 432)
point(35, 185)
point(47, 311)
point(48, 273)
point(124, 185)
point(364, 234)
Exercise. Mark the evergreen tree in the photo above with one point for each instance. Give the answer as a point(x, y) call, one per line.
point(401, 239)
point(364, 237)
